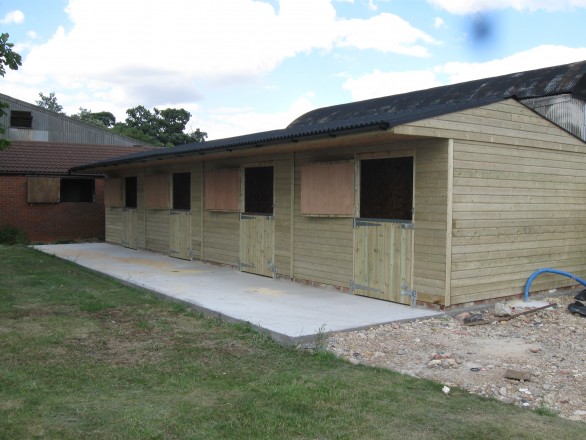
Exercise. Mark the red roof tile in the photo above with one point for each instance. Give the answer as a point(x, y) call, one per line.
point(27, 157)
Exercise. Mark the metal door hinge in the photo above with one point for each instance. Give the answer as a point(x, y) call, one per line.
point(241, 265)
point(412, 293)
point(354, 286)
point(408, 226)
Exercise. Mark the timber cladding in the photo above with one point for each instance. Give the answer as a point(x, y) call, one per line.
point(494, 193)
point(515, 210)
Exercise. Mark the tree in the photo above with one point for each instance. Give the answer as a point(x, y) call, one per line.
point(12, 60)
point(164, 127)
point(50, 103)
point(101, 119)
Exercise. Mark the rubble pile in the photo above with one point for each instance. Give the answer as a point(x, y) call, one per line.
point(529, 358)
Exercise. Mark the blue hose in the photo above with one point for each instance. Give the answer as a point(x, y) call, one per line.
point(540, 271)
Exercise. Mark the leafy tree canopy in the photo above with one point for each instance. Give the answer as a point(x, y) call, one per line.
point(49, 102)
point(101, 119)
point(165, 127)
point(12, 60)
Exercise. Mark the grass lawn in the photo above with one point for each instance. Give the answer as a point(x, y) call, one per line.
point(83, 356)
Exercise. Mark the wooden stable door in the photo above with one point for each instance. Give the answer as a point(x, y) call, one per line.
point(129, 228)
point(180, 234)
point(383, 257)
point(257, 244)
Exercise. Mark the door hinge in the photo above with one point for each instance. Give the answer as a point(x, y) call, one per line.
point(408, 225)
point(272, 268)
point(241, 265)
point(354, 286)
point(412, 293)
point(357, 222)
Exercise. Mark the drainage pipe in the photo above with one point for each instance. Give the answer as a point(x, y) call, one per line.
point(555, 271)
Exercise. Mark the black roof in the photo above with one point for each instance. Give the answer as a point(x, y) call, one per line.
point(390, 111)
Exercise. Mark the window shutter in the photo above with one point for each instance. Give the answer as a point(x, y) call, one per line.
point(113, 193)
point(222, 190)
point(43, 189)
point(327, 189)
point(156, 189)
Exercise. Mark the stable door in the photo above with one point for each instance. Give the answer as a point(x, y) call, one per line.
point(257, 222)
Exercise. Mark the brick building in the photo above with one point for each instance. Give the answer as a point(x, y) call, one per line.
point(41, 197)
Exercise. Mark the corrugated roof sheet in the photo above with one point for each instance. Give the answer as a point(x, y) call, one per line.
point(28, 157)
point(394, 110)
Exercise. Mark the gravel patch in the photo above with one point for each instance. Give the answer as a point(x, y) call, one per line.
point(534, 361)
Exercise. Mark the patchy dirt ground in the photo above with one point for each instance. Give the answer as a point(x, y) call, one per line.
point(547, 348)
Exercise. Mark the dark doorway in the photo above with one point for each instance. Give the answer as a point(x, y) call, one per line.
point(130, 192)
point(77, 190)
point(386, 188)
point(258, 190)
point(182, 191)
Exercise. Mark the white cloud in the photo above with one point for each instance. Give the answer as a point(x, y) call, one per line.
point(377, 83)
point(475, 6)
point(212, 39)
point(32, 35)
point(167, 51)
point(13, 17)
point(386, 33)
point(438, 23)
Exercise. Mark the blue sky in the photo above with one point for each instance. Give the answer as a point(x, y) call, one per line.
point(242, 66)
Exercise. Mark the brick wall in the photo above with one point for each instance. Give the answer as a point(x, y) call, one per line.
point(45, 222)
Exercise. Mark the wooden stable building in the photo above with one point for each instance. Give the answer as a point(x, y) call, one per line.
point(450, 195)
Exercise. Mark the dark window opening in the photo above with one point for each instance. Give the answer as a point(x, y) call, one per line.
point(21, 119)
point(386, 188)
point(130, 192)
point(77, 190)
point(258, 190)
point(182, 191)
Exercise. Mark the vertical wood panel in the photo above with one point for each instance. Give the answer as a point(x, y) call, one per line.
point(156, 191)
point(129, 228)
point(256, 244)
point(180, 235)
point(327, 189)
point(382, 260)
point(113, 195)
point(222, 189)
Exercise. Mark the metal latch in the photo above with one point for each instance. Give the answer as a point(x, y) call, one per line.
point(408, 226)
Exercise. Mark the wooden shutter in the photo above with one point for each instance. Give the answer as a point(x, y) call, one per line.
point(156, 188)
point(327, 189)
point(222, 190)
point(43, 189)
point(113, 193)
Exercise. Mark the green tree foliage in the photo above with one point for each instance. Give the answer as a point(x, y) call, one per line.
point(101, 119)
point(12, 60)
point(49, 102)
point(159, 127)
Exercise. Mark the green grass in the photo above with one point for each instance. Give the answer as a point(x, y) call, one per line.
point(84, 356)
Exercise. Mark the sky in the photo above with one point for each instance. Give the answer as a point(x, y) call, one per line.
point(246, 66)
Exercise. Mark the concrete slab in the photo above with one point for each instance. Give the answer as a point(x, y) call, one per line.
point(289, 311)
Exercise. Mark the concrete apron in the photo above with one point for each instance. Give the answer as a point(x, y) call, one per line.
point(290, 312)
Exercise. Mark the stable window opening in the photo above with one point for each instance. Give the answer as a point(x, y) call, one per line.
point(182, 191)
point(77, 190)
point(258, 190)
point(20, 119)
point(130, 192)
point(386, 188)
